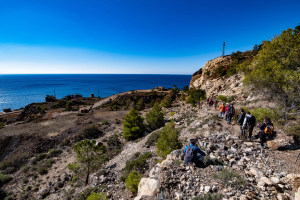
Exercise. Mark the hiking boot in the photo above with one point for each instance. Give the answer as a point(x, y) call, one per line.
point(249, 138)
point(260, 146)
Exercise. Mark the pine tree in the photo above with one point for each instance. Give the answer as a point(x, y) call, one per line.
point(133, 125)
point(168, 140)
point(155, 117)
point(89, 156)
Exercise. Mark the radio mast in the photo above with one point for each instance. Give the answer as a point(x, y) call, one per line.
point(223, 54)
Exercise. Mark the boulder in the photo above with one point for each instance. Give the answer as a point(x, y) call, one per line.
point(155, 171)
point(272, 145)
point(148, 186)
point(254, 171)
point(266, 181)
point(43, 191)
point(281, 196)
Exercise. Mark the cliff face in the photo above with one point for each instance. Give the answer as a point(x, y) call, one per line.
point(207, 79)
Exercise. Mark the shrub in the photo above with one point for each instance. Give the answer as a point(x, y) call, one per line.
point(209, 196)
point(133, 180)
point(168, 140)
point(54, 153)
point(260, 113)
point(90, 132)
point(136, 164)
point(166, 102)
point(133, 126)
point(293, 130)
point(231, 98)
point(105, 122)
point(195, 95)
point(40, 157)
point(208, 161)
point(182, 97)
point(230, 177)
point(86, 193)
point(172, 113)
point(185, 88)
point(220, 71)
point(25, 180)
point(60, 104)
point(137, 154)
point(4, 179)
point(113, 141)
point(152, 139)
point(80, 114)
point(140, 105)
point(155, 117)
point(97, 196)
point(43, 110)
point(28, 188)
point(2, 125)
point(43, 170)
point(68, 106)
point(222, 98)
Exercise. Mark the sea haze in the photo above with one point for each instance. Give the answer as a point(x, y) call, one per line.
point(17, 91)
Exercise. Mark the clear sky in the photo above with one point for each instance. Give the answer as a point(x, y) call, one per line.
point(133, 36)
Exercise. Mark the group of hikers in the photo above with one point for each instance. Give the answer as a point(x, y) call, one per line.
point(246, 122)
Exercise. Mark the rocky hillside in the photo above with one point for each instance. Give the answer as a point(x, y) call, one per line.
point(219, 76)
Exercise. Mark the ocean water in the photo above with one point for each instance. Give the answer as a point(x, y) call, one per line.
point(17, 91)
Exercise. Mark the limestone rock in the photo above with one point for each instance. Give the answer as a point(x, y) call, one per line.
point(272, 145)
point(297, 194)
point(44, 191)
point(256, 172)
point(148, 186)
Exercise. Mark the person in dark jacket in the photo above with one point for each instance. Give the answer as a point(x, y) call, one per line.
point(230, 113)
point(240, 122)
point(262, 134)
point(198, 154)
point(249, 123)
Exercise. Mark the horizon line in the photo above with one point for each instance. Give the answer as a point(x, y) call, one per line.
point(96, 74)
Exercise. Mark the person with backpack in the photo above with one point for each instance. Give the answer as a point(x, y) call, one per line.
point(266, 128)
point(222, 110)
point(210, 102)
point(230, 113)
point(216, 103)
point(240, 122)
point(249, 123)
point(193, 154)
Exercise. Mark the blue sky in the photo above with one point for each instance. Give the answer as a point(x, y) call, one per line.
point(133, 36)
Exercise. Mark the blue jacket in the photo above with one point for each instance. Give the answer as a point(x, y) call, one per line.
point(196, 150)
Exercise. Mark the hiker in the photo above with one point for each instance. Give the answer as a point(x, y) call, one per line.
point(222, 110)
point(193, 154)
point(266, 128)
point(226, 109)
point(241, 120)
point(216, 103)
point(210, 102)
point(230, 113)
point(249, 123)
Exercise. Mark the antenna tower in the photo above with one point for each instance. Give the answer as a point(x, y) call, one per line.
point(223, 54)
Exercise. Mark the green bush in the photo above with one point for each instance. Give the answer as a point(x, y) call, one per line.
point(168, 140)
point(40, 157)
point(54, 153)
point(90, 132)
point(182, 97)
point(155, 117)
point(220, 71)
point(104, 122)
point(260, 113)
point(185, 88)
point(152, 139)
point(4, 179)
point(133, 125)
point(195, 95)
point(133, 180)
point(140, 105)
point(25, 180)
point(97, 196)
point(293, 130)
point(43, 110)
point(136, 164)
point(166, 102)
point(2, 125)
point(43, 170)
point(230, 177)
point(222, 98)
point(209, 196)
point(172, 113)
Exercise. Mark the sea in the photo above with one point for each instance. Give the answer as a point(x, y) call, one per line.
point(17, 91)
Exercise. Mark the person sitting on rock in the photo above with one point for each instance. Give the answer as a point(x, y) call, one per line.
point(249, 123)
point(193, 154)
point(266, 128)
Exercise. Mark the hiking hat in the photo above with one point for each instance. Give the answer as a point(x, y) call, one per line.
point(192, 140)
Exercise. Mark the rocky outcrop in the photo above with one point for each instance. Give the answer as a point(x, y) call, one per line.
point(214, 85)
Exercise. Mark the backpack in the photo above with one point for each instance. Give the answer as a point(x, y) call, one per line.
point(232, 111)
point(268, 129)
point(251, 121)
point(210, 101)
point(190, 153)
